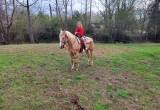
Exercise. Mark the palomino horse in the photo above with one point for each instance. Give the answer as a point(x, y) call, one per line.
point(68, 39)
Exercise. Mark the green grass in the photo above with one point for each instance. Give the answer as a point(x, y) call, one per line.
point(118, 92)
point(143, 61)
point(100, 106)
point(36, 77)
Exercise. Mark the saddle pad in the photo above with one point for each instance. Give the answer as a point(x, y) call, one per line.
point(85, 39)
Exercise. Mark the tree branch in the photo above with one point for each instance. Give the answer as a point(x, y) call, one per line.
point(12, 15)
point(34, 2)
point(2, 27)
point(24, 5)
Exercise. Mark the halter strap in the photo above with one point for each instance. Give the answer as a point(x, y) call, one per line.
point(66, 36)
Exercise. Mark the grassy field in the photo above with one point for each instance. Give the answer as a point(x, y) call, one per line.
point(38, 77)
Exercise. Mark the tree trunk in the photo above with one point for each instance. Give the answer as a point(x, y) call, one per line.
point(0, 5)
point(6, 19)
point(155, 33)
point(90, 14)
point(6, 34)
point(106, 13)
point(66, 13)
point(50, 9)
point(86, 13)
point(57, 11)
point(81, 7)
point(71, 8)
point(29, 24)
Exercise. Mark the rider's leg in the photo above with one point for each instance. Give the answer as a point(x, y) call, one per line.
point(83, 43)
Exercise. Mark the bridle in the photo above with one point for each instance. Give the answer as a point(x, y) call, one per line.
point(65, 40)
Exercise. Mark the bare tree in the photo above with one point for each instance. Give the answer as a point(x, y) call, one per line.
point(86, 10)
point(0, 5)
point(108, 13)
point(65, 3)
point(28, 5)
point(142, 15)
point(50, 9)
point(90, 12)
point(6, 20)
point(81, 6)
point(113, 10)
point(153, 27)
point(124, 14)
point(57, 8)
point(71, 7)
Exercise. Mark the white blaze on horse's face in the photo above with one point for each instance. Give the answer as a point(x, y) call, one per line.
point(62, 39)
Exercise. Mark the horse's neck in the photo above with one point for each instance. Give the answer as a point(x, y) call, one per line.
point(71, 39)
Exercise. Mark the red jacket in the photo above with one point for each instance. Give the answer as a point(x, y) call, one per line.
point(79, 31)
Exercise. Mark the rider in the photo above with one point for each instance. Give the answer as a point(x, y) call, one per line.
point(79, 32)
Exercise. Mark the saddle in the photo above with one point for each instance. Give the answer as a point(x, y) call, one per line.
point(82, 42)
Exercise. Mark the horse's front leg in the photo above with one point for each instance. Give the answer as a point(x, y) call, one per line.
point(77, 68)
point(77, 61)
point(72, 64)
point(72, 61)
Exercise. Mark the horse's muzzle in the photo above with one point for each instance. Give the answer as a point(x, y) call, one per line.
point(62, 46)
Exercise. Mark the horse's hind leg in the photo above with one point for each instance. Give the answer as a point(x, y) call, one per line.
point(91, 56)
point(72, 64)
point(77, 66)
point(75, 62)
point(72, 61)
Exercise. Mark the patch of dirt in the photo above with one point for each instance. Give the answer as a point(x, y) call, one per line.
point(54, 90)
point(123, 79)
point(39, 72)
point(26, 69)
point(64, 99)
point(58, 96)
point(134, 84)
point(74, 99)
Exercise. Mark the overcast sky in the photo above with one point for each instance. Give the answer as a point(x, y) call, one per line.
point(77, 5)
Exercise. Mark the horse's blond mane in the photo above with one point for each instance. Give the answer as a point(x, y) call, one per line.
point(69, 34)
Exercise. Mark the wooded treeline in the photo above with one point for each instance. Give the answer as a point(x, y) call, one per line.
point(113, 21)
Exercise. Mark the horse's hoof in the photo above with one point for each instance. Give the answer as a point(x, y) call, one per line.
point(92, 64)
point(72, 69)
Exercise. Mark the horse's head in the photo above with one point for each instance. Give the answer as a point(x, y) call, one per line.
point(62, 39)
